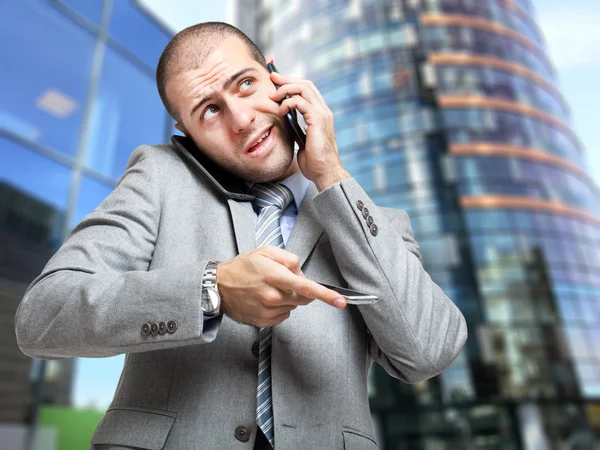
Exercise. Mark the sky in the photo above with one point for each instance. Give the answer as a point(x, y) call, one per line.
point(572, 36)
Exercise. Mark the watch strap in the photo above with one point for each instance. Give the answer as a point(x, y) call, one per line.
point(209, 280)
point(209, 276)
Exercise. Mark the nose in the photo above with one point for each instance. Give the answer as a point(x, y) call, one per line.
point(242, 115)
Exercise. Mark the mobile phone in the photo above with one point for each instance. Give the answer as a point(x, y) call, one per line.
point(291, 117)
point(352, 297)
point(227, 184)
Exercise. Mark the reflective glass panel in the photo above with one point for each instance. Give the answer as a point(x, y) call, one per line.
point(90, 9)
point(127, 112)
point(133, 28)
point(43, 87)
point(33, 197)
point(91, 194)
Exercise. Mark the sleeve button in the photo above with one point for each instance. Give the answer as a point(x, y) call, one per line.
point(154, 329)
point(365, 213)
point(162, 328)
point(370, 220)
point(171, 326)
point(146, 329)
point(359, 205)
point(374, 230)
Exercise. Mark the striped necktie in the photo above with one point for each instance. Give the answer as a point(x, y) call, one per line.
point(271, 199)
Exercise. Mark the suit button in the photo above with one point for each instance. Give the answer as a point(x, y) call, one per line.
point(365, 213)
point(146, 329)
point(374, 230)
point(162, 328)
point(370, 220)
point(359, 205)
point(255, 349)
point(154, 329)
point(171, 326)
point(242, 434)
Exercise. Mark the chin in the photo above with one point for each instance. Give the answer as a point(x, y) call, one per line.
point(276, 172)
point(279, 166)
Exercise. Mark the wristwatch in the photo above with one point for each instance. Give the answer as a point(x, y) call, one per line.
point(211, 300)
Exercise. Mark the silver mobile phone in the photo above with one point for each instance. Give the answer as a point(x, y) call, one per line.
point(352, 297)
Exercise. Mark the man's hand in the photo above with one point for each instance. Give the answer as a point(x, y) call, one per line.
point(319, 161)
point(261, 287)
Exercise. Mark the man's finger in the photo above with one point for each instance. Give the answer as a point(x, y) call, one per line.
point(300, 103)
point(309, 289)
point(283, 257)
point(295, 299)
point(302, 90)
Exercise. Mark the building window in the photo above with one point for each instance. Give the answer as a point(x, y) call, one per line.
point(43, 87)
point(127, 112)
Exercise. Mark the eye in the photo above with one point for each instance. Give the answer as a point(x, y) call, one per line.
point(246, 84)
point(212, 109)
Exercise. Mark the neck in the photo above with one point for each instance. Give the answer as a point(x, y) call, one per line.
point(291, 170)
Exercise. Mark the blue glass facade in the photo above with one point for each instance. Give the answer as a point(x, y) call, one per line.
point(77, 95)
point(448, 109)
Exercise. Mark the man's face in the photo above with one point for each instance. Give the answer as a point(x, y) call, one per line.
point(225, 108)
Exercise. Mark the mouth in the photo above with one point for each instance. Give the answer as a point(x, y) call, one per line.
point(260, 143)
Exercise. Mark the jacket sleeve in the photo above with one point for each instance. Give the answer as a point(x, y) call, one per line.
point(97, 291)
point(415, 331)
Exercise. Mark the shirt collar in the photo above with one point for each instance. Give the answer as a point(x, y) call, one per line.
point(298, 184)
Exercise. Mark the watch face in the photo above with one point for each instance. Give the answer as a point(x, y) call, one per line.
point(210, 300)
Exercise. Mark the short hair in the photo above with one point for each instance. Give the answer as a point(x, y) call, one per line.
point(184, 53)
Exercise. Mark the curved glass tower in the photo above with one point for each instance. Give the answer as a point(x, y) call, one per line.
point(449, 110)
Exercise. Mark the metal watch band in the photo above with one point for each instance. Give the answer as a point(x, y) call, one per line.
point(209, 276)
point(209, 286)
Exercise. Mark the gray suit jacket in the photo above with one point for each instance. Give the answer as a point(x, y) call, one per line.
point(138, 258)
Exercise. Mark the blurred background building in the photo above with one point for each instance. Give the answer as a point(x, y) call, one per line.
point(449, 110)
point(77, 95)
point(445, 108)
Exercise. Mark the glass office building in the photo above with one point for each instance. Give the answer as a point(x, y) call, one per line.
point(449, 109)
point(77, 95)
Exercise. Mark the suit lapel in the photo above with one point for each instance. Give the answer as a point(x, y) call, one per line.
point(303, 237)
point(307, 228)
point(243, 218)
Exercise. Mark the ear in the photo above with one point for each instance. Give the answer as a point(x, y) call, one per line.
point(180, 128)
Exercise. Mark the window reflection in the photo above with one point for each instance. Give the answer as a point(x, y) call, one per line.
point(33, 198)
point(473, 125)
point(41, 101)
point(492, 175)
point(128, 25)
point(495, 12)
point(457, 385)
point(488, 82)
point(127, 112)
point(91, 194)
point(440, 38)
point(90, 9)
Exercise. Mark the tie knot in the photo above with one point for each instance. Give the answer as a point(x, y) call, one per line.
point(271, 194)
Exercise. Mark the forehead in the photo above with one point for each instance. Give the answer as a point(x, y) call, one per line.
point(220, 64)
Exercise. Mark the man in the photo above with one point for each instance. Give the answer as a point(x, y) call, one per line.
point(198, 289)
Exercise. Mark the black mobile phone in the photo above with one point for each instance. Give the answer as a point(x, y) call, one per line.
point(226, 183)
point(291, 117)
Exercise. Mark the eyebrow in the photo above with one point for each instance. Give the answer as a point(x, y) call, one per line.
point(226, 86)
